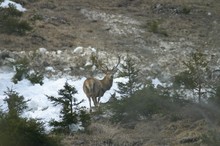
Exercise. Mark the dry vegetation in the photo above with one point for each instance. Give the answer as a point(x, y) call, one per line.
point(159, 32)
point(159, 130)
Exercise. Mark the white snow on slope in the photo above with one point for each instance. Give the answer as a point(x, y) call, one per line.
point(6, 3)
point(157, 82)
point(41, 107)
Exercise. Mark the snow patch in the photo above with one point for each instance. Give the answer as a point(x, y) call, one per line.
point(157, 82)
point(50, 68)
point(39, 105)
point(19, 7)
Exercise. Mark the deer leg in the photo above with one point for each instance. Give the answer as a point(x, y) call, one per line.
point(94, 101)
point(90, 106)
point(98, 100)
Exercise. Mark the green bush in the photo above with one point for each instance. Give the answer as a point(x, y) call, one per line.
point(15, 26)
point(35, 78)
point(21, 68)
point(22, 27)
point(22, 71)
point(23, 132)
point(11, 23)
point(11, 11)
point(154, 27)
point(18, 131)
point(36, 16)
point(186, 10)
point(144, 103)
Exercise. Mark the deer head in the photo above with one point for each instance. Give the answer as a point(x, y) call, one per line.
point(95, 88)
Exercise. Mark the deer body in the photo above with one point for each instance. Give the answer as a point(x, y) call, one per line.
point(95, 89)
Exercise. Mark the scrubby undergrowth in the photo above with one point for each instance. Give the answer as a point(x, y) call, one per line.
point(191, 125)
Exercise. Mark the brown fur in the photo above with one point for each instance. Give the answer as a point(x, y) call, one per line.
point(95, 89)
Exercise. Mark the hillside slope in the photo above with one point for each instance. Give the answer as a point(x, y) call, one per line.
point(120, 24)
point(160, 34)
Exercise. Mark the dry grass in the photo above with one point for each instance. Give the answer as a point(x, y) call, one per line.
point(101, 134)
point(160, 130)
point(154, 132)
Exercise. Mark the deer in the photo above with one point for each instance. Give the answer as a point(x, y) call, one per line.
point(95, 88)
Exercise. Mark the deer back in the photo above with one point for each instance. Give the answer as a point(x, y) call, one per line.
point(93, 87)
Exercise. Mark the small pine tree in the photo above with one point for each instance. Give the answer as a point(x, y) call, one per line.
point(71, 112)
point(130, 72)
point(196, 75)
point(35, 78)
point(16, 103)
point(19, 131)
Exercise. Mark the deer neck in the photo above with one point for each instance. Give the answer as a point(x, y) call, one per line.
point(106, 83)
